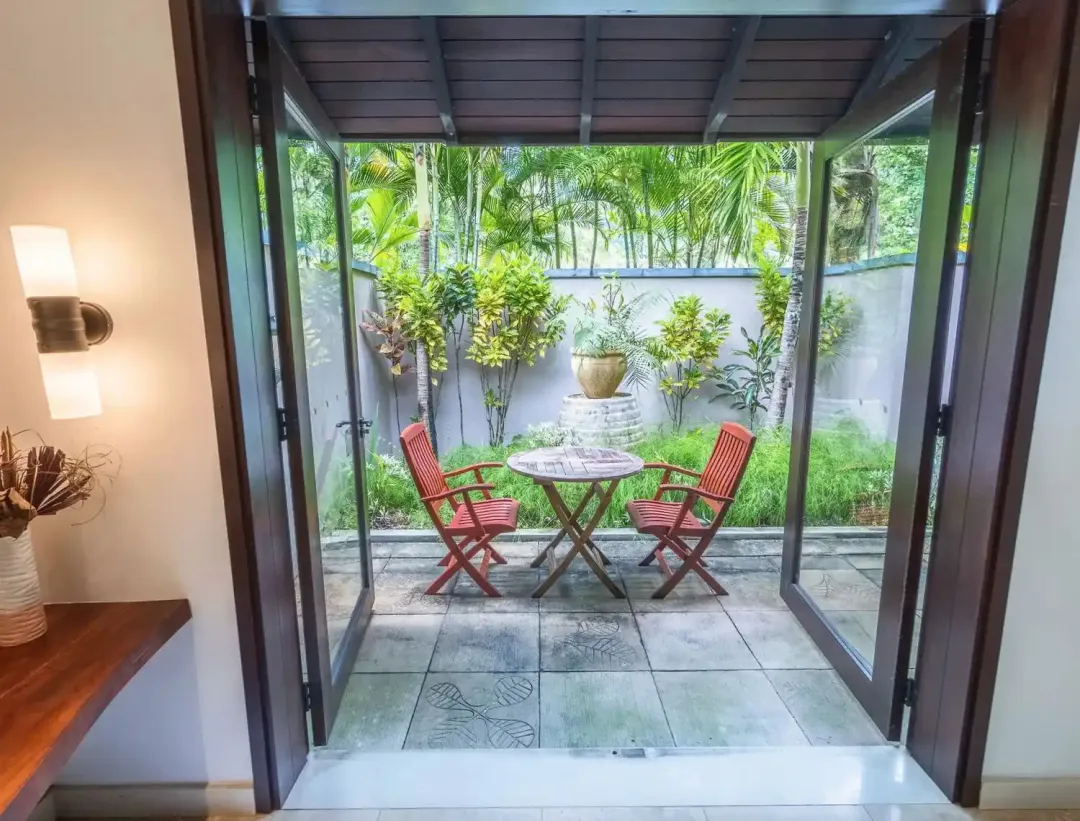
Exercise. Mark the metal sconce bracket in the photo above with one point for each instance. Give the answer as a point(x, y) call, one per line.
point(65, 324)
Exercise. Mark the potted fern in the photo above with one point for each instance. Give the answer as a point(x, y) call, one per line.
point(609, 347)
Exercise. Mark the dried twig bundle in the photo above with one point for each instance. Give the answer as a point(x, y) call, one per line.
point(41, 481)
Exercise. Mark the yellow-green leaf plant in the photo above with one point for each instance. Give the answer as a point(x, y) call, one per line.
point(685, 349)
point(516, 318)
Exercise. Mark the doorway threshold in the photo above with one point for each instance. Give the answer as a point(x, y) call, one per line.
point(468, 779)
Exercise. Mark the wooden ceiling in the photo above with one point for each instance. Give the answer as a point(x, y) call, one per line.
point(600, 79)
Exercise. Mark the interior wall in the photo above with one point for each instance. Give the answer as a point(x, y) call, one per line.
point(1035, 718)
point(91, 141)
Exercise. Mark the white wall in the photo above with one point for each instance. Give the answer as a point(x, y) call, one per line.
point(864, 383)
point(91, 140)
point(1035, 719)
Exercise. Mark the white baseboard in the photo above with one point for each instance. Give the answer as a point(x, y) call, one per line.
point(154, 800)
point(1030, 794)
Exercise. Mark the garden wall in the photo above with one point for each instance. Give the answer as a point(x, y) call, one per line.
point(864, 382)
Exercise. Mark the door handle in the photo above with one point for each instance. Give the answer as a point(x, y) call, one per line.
point(365, 425)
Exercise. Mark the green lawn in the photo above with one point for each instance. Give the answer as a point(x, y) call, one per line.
point(846, 467)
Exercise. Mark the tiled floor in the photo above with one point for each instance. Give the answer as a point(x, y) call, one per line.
point(900, 812)
point(581, 669)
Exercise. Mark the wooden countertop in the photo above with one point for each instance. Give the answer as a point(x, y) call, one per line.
point(52, 690)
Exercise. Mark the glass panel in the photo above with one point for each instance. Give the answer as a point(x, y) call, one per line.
point(874, 204)
point(312, 171)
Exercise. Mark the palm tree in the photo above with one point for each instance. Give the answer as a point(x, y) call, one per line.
point(423, 236)
point(381, 225)
point(786, 362)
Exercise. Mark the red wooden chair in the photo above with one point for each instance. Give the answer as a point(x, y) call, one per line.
point(478, 520)
point(673, 522)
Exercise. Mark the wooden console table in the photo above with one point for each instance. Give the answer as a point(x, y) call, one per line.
point(52, 690)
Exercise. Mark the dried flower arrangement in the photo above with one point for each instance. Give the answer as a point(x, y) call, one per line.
point(43, 480)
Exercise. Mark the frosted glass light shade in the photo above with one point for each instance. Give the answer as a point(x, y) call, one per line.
point(70, 385)
point(46, 266)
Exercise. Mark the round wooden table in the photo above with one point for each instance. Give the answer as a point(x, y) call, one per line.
point(596, 466)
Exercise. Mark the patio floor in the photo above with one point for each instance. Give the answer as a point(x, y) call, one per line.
point(581, 669)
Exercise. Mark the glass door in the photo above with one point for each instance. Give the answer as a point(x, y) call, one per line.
point(883, 238)
point(311, 280)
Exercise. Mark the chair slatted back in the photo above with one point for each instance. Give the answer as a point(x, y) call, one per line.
point(727, 463)
point(423, 465)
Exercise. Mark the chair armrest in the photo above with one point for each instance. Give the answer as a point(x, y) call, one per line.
point(454, 491)
point(670, 468)
point(476, 468)
point(695, 491)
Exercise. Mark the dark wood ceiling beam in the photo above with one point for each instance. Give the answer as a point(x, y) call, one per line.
point(577, 8)
point(742, 40)
point(433, 44)
point(891, 51)
point(588, 77)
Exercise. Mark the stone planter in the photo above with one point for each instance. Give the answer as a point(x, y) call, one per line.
point(610, 423)
point(22, 614)
point(599, 376)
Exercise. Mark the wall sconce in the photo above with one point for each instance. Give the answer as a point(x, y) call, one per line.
point(65, 326)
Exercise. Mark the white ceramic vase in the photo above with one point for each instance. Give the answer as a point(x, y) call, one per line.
point(22, 613)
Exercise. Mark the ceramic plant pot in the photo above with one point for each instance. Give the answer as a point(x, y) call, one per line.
point(599, 376)
point(22, 614)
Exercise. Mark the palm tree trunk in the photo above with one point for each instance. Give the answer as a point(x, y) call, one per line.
point(468, 203)
point(479, 205)
point(573, 241)
point(626, 247)
point(457, 379)
point(423, 238)
point(555, 217)
point(595, 234)
point(785, 365)
point(434, 210)
point(648, 216)
point(397, 405)
point(690, 233)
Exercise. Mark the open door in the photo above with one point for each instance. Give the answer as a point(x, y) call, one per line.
point(862, 612)
point(310, 261)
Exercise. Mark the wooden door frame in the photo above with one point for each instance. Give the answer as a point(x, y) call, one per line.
point(950, 718)
point(1028, 147)
point(212, 79)
point(282, 92)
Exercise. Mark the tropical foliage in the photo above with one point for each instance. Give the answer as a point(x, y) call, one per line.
point(516, 319)
point(684, 351)
point(838, 314)
point(842, 466)
point(625, 206)
point(747, 382)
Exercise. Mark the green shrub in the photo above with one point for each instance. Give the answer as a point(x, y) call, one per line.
point(840, 460)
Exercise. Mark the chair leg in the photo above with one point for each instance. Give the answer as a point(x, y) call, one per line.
point(690, 562)
point(445, 560)
point(496, 556)
point(480, 575)
point(652, 555)
point(460, 561)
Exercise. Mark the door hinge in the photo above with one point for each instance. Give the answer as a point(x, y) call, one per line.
point(910, 691)
point(253, 96)
point(944, 420)
point(305, 695)
point(282, 424)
